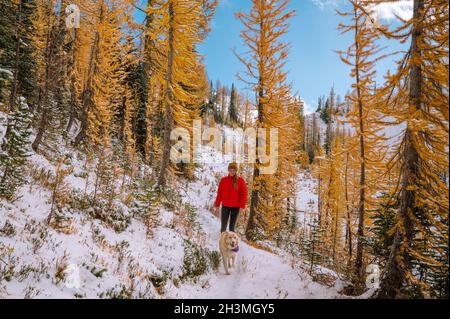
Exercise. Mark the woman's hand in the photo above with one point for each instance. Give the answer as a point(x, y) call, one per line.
point(216, 210)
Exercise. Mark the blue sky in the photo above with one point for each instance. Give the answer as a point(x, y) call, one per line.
point(313, 65)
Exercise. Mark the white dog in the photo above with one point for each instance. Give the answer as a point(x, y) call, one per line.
point(229, 246)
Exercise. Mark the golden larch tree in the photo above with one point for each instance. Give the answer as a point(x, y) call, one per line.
point(416, 97)
point(176, 29)
point(264, 27)
point(362, 56)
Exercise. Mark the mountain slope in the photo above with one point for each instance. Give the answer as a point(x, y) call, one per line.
point(89, 259)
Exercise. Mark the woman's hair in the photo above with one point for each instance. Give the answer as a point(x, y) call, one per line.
point(234, 166)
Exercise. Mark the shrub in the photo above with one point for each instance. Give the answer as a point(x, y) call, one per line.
point(197, 260)
point(117, 292)
point(8, 229)
point(214, 259)
point(159, 281)
point(116, 216)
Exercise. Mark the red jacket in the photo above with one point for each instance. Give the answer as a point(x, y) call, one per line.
point(230, 196)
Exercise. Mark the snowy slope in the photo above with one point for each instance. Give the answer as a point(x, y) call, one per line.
point(94, 261)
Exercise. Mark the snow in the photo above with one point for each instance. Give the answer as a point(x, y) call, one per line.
point(107, 263)
point(307, 200)
point(309, 120)
point(258, 274)
point(3, 121)
point(7, 72)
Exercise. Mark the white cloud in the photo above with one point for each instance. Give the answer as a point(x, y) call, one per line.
point(388, 10)
point(384, 11)
point(322, 4)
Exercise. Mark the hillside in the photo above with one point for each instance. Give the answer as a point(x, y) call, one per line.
point(38, 261)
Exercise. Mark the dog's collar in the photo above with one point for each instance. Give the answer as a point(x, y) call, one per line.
point(235, 249)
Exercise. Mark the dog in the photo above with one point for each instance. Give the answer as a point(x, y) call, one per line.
point(229, 246)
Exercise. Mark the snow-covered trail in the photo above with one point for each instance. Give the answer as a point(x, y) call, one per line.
point(258, 273)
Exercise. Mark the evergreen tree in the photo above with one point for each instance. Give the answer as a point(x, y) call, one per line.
point(137, 81)
point(383, 221)
point(319, 105)
point(313, 245)
point(325, 111)
point(16, 51)
point(232, 109)
point(15, 150)
point(49, 36)
point(144, 199)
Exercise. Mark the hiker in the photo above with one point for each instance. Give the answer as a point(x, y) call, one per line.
point(232, 194)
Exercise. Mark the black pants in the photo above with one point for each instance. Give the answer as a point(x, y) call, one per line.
point(230, 213)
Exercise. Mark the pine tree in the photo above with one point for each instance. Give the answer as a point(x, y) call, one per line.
point(110, 59)
point(319, 105)
point(330, 218)
point(15, 150)
point(313, 245)
point(325, 111)
point(302, 139)
point(232, 109)
point(312, 137)
point(49, 40)
point(328, 118)
point(137, 86)
point(16, 51)
point(383, 221)
point(145, 204)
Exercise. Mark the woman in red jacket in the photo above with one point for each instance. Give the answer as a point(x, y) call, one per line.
point(232, 193)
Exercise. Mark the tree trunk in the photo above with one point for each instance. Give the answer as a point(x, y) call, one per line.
point(251, 224)
point(42, 105)
point(15, 83)
point(73, 98)
point(168, 116)
point(87, 90)
point(151, 88)
point(319, 195)
point(54, 67)
point(349, 228)
point(362, 180)
point(395, 273)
